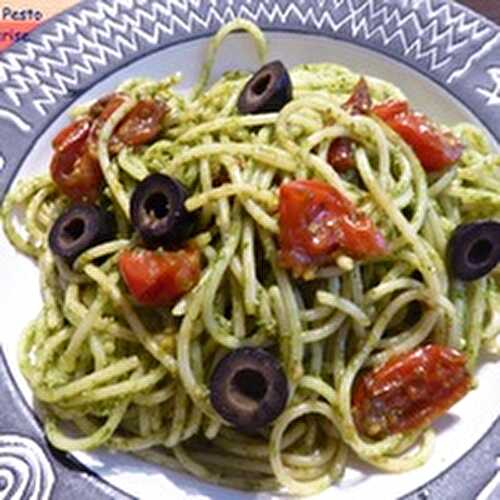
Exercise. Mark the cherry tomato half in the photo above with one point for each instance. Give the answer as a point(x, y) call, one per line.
point(156, 278)
point(435, 149)
point(140, 126)
point(143, 123)
point(315, 221)
point(409, 391)
point(72, 137)
point(76, 173)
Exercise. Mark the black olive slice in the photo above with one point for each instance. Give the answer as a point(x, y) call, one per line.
point(79, 228)
point(474, 249)
point(267, 91)
point(248, 388)
point(157, 211)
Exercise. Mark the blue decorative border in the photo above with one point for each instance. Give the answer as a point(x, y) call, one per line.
point(42, 75)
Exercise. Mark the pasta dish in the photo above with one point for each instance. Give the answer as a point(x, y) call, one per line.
point(253, 282)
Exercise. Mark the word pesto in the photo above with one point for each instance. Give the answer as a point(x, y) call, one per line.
point(11, 14)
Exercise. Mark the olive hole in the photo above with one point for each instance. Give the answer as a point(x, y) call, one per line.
point(250, 384)
point(157, 204)
point(260, 86)
point(74, 230)
point(480, 252)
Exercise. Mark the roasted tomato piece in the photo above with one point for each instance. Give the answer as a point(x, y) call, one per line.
point(102, 110)
point(143, 123)
point(409, 391)
point(72, 137)
point(108, 105)
point(390, 109)
point(315, 221)
point(340, 154)
point(81, 181)
point(434, 148)
point(156, 278)
point(101, 104)
point(76, 173)
point(360, 101)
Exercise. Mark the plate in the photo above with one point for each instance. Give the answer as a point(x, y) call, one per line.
point(443, 56)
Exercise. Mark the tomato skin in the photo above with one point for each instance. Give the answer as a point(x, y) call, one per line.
point(158, 278)
point(143, 123)
point(387, 111)
point(360, 101)
point(315, 221)
point(73, 136)
point(435, 149)
point(76, 173)
point(140, 126)
point(340, 154)
point(409, 391)
point(101, 111)
point(97, 109)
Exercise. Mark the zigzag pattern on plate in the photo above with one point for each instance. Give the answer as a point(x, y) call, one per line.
point(431, 32)
point(492, 94)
